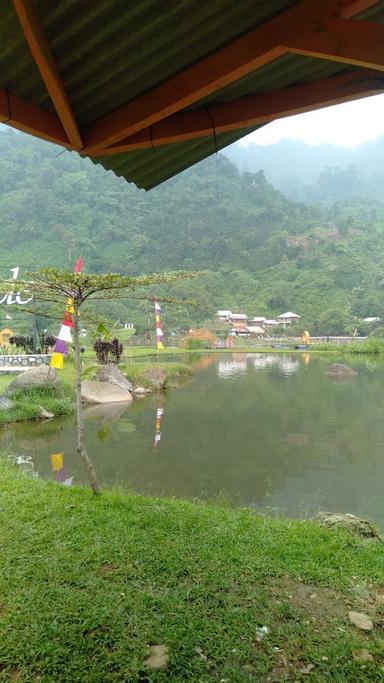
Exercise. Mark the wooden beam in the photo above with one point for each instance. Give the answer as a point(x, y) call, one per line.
point(31, 119)
point(352, 8)
point(253, 111)
point(360, 43)
point(229, 64)
point(42, 55)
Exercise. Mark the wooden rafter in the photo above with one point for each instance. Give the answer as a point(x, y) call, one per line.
point(227, 65)
point(254, 110)
point(360, 43)
point(29, 118)
point(42, 55)
point(352, 8)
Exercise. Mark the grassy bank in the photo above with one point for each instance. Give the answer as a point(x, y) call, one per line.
point(88, 585)
point(368, 347)
point(28, 404)
point(175, 373)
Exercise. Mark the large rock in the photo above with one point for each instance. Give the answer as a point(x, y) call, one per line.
point(339, 369)
point(104, 392)
point(111, 373)
point(357, 526)
point(156, 377)
point(33, 378)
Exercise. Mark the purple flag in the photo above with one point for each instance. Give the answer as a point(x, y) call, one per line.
point(60, 347)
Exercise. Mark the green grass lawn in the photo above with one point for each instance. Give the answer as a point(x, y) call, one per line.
point(88, 584)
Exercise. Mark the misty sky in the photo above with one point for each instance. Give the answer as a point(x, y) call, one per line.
point(347, 124)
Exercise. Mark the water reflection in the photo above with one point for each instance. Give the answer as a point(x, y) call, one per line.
point(266, 430)
point(239, 364)
point(57, 464)
point(230, 368)
point(159, 416)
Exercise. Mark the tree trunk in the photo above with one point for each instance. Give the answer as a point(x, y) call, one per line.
point(79, 409)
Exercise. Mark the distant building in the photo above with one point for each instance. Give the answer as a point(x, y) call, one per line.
point(240, 331)
point(258, 320)
point(256, 330)
point(238, 319)
point(224, 315)
point(298, 241)
point(270, 323)
point(371, 320)
point(288, 318)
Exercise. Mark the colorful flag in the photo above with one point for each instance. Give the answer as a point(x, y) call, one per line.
point(159, 332)
point(60, 349)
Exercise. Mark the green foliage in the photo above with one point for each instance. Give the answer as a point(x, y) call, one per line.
point(193, 344)
point(234, 226)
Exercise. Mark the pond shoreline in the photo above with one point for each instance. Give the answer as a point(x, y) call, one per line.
point(30, 405)
point(228, 594)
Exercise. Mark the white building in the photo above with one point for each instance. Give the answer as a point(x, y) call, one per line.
point(258, 320)
point(224, 315)
point(238, 318)
point(256, 329)
point(371, 320)
point(288, 318)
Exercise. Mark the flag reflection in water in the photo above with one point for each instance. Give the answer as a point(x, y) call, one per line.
point(159, 415)
point(57, 464)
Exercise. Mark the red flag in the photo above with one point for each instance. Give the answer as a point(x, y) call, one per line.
point(78, 265)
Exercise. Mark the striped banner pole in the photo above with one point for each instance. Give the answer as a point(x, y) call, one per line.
point(159, 331)
point(64, 337)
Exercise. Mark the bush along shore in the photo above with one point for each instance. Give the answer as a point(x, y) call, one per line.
point(130, 588)
point(56, 397)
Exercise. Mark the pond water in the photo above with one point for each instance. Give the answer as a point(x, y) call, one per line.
point(267, 431)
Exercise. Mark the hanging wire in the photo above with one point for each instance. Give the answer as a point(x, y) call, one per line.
point(62, 152)
point(213, 129)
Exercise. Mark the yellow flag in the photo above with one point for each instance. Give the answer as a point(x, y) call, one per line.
point(57, 461)
point(57, 361)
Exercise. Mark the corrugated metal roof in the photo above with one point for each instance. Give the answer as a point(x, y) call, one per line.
point(109, 52)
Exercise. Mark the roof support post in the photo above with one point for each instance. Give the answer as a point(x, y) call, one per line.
point(42, 55)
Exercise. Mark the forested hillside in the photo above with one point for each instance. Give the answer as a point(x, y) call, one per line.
point(262, 252)
point(323, 173)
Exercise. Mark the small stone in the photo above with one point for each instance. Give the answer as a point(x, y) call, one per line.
point(362, 656)
point(200, 652)
point(44, 414)
point(141, 390)
point(307, 669)
point(158, 659)
point(361, 621)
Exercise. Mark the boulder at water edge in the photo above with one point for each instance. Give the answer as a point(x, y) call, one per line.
point(33, 378)
point(111, 373)
point(104, 392)
point(360, 527)
point(156, 377)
